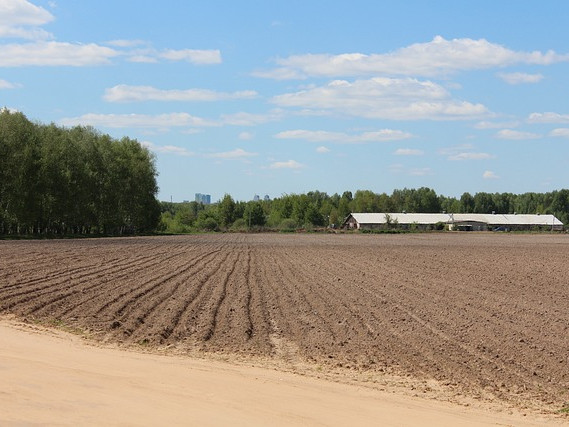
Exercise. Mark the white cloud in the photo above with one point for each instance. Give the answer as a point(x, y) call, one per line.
point(489, 175)
point(434, 58)
point(138, 120)
point(516, 135)
point(548, 117)
point(22, 12)
point(340, 137)
point(322, 149)
point(191, 131)
point(20, 19)
point(53, 53)
point(194, 56)
point(7, 85)
point(290, 164)
point(24, 33)
point(496, 125)
point(238, 153)
point(384, 98)
point(470, 156)
point(250, 119)
point(563, 132)
point(126, 93)
point(279, 74)
point(167, 120)
point(520, 78)
point(408, 152)
point(246, 136)
point(167, 149)
point(464, 152)
point(142, 59)
point(455, 149)
point(127, 43)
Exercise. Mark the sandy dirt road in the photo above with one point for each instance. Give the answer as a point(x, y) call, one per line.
point(53, 378)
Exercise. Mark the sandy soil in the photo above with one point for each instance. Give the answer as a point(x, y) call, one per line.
point(451, 315)
point(52, 378)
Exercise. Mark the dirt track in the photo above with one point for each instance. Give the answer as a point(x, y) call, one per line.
point(484, 314)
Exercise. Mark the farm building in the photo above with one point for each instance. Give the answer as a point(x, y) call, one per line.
point(463, 222)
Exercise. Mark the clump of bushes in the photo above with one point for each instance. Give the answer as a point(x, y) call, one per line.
point(287, 225)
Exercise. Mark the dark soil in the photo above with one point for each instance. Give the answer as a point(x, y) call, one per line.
point(484, 313)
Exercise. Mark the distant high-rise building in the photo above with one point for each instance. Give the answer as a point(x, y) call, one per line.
point(203, 198)
point(266, 198)
point(256, 198)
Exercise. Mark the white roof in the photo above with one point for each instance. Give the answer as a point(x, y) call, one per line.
point(433, 218)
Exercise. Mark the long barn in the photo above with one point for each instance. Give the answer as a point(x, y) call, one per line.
point(465, 222)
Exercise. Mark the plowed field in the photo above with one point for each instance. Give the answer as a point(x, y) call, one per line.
point(483, 314)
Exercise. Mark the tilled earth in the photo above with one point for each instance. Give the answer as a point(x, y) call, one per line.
point(485, 314)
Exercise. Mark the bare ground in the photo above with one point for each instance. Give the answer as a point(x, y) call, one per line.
point(452, 315)
point(53, 378)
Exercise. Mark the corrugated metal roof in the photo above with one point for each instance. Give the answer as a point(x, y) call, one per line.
point(433, 218)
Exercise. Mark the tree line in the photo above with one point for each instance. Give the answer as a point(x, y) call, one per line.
point(318, 209)
point(61, 181)
point(71, 181)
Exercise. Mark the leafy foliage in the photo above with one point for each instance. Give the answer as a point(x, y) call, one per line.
point(317, 209)
point(58, 181)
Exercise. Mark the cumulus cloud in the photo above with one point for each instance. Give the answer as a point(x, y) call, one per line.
point(194, 56)
point(127, 43)
point(408, 152)
point(52, 53)
point(322, 149)
point(142, 52)
point(464, 152)
point(167, 149)
point(516, 135)
point(496, 125)
point(470, 156)
point(246, 136)
point(138, 120)
point(340, 137)
point(251, 119)
point(563, 132)
point(238, 153)
point(4, 84)
point(434, 58)
point(383, 98)
point(520, 78)
point(21, 19)
point(489, 175)
point(167, 120)
point(289, 164)
point(126, 93)
point(548, 117)
point(279, 74)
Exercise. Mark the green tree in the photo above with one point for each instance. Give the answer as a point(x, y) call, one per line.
point(254, 214)
point(226, 211)
point(466, 203)
point(313, 216)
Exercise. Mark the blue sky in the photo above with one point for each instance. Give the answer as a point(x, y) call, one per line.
point(267, 97)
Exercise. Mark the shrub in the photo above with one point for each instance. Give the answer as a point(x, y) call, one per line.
point(239, 225)
point(207, 224)
point(287, 225)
